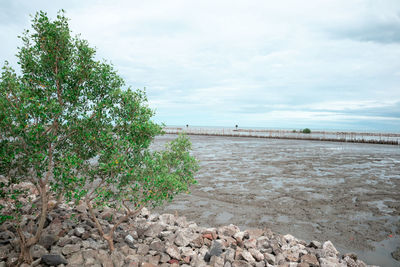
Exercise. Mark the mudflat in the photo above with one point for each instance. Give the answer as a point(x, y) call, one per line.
point(343, 192)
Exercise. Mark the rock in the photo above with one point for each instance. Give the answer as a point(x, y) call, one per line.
point(3, 264)
point(117, 258)
point(329, 262)
point(167, 219)
point(154, 230)
point(142, 249)
point(289, 238)
point(79, 231)
point(269, 258)
point(173, 251)
point(183, 237)
point(53, 259)
point(250, 243)
point(47, 240)
point(76, 259)
point(145, 212)
point(197, 242)
point(216, 261)
point(349, 261)
point(181, 222)
point(315, 244)
point(310, 259)
point(64, 241)
point(329, 249)
point(69, 249)
point(157, 246)
point(164, 258)
point(229, 230)
point(105, 259)
point(254, 233)
point(240, 263)
point(37, 251)
point(129, 240)
point(215, 250)
point(247, 256)
point(145, 264)
point(256, 254)
point(240, 235)
point(396, 254)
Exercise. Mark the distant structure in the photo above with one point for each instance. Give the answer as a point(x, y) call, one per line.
point(236, 126)
point(187, 125)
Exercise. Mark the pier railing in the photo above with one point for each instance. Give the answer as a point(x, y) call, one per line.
point(353, 137)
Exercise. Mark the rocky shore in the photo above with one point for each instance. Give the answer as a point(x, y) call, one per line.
point(71, 239)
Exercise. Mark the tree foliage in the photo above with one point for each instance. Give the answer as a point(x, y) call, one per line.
point(70, 127)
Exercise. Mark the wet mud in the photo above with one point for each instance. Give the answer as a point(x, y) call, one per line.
point(343, 192)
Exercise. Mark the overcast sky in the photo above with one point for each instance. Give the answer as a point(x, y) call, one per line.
point(276, 64)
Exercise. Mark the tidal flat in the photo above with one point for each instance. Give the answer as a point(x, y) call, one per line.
point(344, 192)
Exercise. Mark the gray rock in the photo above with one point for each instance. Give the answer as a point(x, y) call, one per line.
point(164, 258)
point(229, 230)
point(4, 251)
point(315, 244)
point(154, 230)
point(117, 258)
point(250, 243)
point(247, 256)
point(47, 240)
point(69, 249)
point(215, 250)
point(329, 262)
point(142, 249)
point(349, 261)
point(330, 249)
point(145, 212)
point(269, 258)
point(129, 240)
point(158, 246)
point(76, 259)
point(79, 231)
point(37, 251)
point(183, 237)
point(396, 254)
point(240, 263)
point(167, 219)
point(53, 259)
point(181, 222)
point(310, 259)
point(173, 252)
point(256, 254)
point(217, 261)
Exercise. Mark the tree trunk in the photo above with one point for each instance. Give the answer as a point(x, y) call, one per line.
point(110, 241)
point(25, 255)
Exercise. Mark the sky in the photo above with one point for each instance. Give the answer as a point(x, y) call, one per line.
point(331, 65)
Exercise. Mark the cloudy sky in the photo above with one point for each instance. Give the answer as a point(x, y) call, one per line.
point(275, 64)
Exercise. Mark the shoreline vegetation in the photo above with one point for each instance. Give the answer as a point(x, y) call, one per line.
point(349, 137)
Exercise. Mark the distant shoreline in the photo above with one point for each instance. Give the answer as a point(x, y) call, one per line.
point(328, 136)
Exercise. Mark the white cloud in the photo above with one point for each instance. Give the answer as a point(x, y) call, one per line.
point(211, 62)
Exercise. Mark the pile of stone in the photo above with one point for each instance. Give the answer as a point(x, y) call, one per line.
point(71, 239)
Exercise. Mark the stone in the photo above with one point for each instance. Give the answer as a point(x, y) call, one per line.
point(129, 240)
point(157, 246)
point(181, 222)
point(247, 256)
point(215, 250)
point(250, 243)
point(310, 259)
point(164, 258)
point(145, 212)
point(329, 262)
point(254, 233)
point(79, 231)
point(217, 261)
point(396, 254)
point(65, 240)
point(239, 235)
point(227, 264)
point(173, 252)
point(154, 230)
point(269, 258)
point(53, 259)
point(167, 219)
point(229, 230)
point(142, 249)
point(69, 249)
point(146, 264)
point(105, 259)
point(256, 254)
point(349, 261)
point(315, 244)
point(289, 238)
point(197, 242)
point(330, 249)
point(240, 263)
point(263, 242)
point(76, 259)
point(183, 237)
point(47, 240)
point(37, 251)
point(117, 258)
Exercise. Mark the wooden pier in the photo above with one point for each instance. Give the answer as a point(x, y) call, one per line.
point(349, 137)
